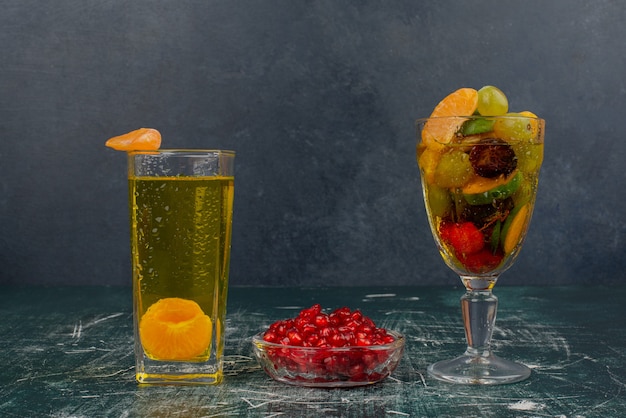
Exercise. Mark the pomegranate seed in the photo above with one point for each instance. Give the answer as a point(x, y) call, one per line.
point(363, 342)
point(357, 369)
point(336, 340)
point(322, 343)
point(282, 328)
point(347, 333)
point(321, 321)
point(334, 319)
point(294, 337)
point(353, 325)
point(367, 321)
point(308, 329)
point(312, 339)
point(366, 329)
point(300, 322)
point(327, 332)
point(343, 312)
point(388, 339)
point(330, 363)
point(270, 336)
point(356, 315)
point(370, 360)
point(312, 311)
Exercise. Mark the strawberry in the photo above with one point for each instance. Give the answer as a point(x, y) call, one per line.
point(464, 237)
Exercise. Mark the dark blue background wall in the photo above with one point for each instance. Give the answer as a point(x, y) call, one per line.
point(319, 99)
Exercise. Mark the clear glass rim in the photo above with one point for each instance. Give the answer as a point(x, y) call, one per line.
point(423, 120)
point(177, 151)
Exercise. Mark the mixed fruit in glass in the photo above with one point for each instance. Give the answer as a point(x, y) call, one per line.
point(479, 165)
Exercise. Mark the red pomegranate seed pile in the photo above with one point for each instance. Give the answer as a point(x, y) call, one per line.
point(340, 329)
point(314, 328)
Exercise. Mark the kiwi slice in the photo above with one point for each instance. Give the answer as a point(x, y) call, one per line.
point(486, 191)
point(477, 126)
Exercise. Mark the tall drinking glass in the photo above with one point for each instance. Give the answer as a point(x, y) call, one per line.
point(181, 206)
point(479, 180)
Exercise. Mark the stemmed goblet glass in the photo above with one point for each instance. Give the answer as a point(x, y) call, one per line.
point(479, 180)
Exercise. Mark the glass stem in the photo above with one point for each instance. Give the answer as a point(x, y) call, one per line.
point(479, 317)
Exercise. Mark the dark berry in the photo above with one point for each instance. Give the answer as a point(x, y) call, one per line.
point(481, 215)
point(493, 157)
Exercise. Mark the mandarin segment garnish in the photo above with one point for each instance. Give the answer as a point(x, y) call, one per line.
point(462, 102)
point(142, 139)
point(175, 329)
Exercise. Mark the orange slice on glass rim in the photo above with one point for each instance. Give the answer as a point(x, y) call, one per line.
point(175, 329)
point(142, 139)
point(462, 102)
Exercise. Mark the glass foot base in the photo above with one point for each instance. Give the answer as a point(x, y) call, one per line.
point(479, 370)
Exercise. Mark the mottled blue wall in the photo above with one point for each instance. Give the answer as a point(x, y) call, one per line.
point(319, 99)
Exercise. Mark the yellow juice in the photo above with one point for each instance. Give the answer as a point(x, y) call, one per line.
point(180, 244)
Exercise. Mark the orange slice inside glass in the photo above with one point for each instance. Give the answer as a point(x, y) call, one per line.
point(175, 329)
point(515, 230)
point(532, 122)
point(462, 102)
point(142, 139)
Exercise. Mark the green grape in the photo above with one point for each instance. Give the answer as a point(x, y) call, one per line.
point(439, 201)
point(492, 102)
point(514, 127)
point(523, 194)
point(529, 156)
point(454, 169)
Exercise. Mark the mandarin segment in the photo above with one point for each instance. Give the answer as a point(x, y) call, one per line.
point(515, 227)
point(532, 121)
point(142, 139)
point(175, 329)
point(462, 102)
point(428, 159)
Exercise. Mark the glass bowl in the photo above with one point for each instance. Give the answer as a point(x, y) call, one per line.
point(328, 367)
